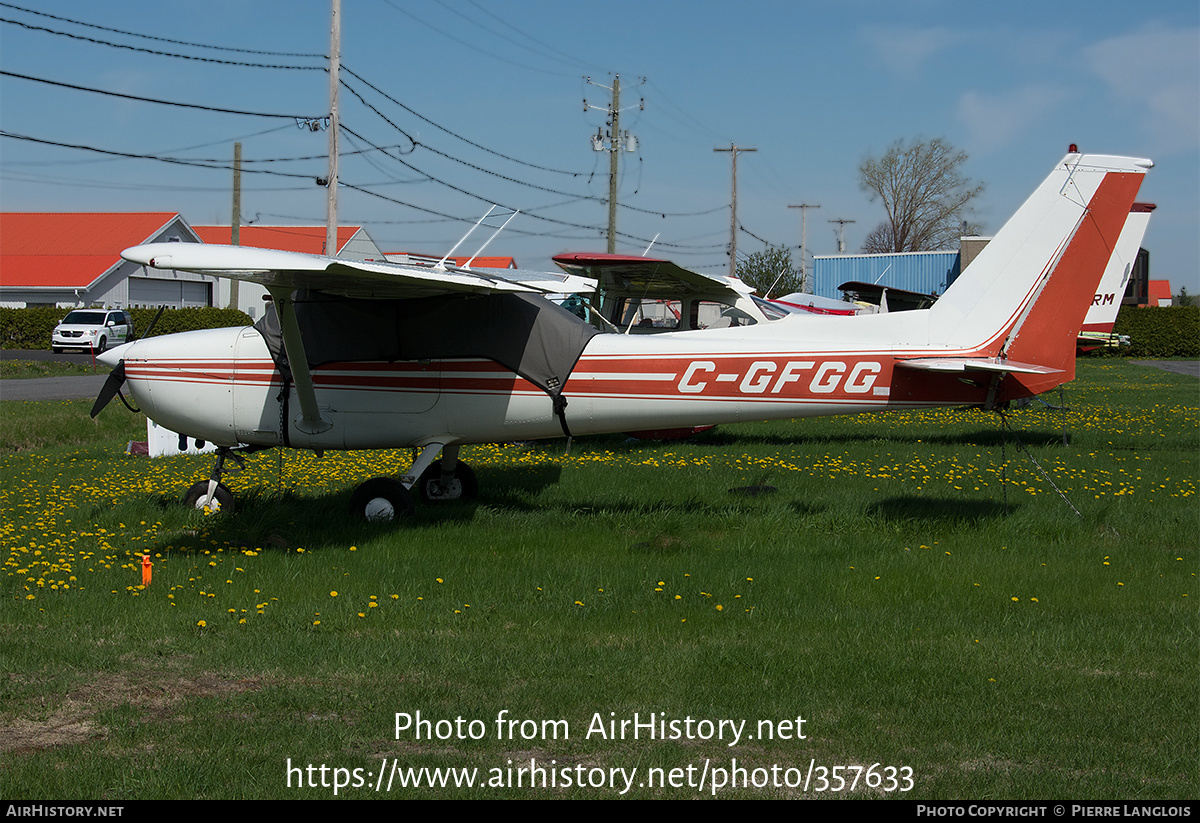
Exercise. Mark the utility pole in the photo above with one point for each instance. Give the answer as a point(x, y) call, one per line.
point(335, 62)
point(841, 234)
point(235, 226)
point(804, 207)
point(733, 223)
point(615, 142)
point(612, 165)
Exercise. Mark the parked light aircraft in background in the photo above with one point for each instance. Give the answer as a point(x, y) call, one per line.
point(644, 295)
point(1098, 324)
point(372, 355)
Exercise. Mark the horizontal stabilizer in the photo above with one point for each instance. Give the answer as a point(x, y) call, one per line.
point(966, 364)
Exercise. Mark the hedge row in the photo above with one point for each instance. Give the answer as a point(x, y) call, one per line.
point(31, 328)
point(1166, 331)
point(1169, 331)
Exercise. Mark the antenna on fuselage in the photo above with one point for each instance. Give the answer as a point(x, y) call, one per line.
point(441, 264)
point(467, 265)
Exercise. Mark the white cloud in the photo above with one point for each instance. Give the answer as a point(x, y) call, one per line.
point(996, 119)
point(1160, 70)
point(906, 48)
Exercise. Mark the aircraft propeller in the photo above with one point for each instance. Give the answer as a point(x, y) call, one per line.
point(116, 378)
point(111, 387)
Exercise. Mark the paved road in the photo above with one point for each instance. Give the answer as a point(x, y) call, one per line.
point(84, 387)
point(1191, 367)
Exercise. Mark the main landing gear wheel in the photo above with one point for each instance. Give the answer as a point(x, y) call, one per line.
point(222, 502)
point(459, 487)
point(382, 500)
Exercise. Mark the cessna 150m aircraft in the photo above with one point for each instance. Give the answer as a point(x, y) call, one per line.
point(372, 355)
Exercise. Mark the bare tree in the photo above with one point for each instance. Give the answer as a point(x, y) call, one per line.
point(924, 194)
point(771, 266)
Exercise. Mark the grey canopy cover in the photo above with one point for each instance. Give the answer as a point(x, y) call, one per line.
point(523, 332)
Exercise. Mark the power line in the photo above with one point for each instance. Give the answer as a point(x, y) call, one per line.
point(155, 52)
point(155, 100)
point(162, 39)
point(546, 46)
point(440, 127)
point(467, 45)
point(353, 91)
point(177, 161)
point(504, 177)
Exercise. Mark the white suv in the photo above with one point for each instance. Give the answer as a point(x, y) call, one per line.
point(94, 329)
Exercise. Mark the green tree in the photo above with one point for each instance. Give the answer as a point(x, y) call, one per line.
point(770, 270)
point(924, 194)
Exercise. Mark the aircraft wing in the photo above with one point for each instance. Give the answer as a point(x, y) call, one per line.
point(643, 277)
point(547, 282)
point(897, 299)
point(519, 325)
point(292, 270)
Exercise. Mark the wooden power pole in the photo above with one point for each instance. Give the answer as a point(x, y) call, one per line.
point(615, 142)
point(733, 223)
point(804, 287)
point(335, 61)
point(235, 225)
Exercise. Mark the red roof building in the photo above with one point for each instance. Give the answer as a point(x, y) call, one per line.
point(1159, 293)
point(74, 259)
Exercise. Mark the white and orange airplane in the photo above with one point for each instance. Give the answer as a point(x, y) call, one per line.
point(1097, 330)
point(373, 355)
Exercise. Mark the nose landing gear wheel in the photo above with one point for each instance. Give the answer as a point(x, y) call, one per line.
point(460, 487)
point(222, 502)
point(382, 500)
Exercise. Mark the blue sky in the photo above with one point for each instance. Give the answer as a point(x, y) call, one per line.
point(815, 88)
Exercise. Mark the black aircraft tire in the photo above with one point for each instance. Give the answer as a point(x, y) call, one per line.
point(464, 486)
point(382, 500)
point(198, 493)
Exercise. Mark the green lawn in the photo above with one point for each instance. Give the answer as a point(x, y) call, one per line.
point(911, 586)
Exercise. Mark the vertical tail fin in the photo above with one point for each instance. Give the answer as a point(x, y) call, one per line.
point(1102, 312)
point(1025, 296)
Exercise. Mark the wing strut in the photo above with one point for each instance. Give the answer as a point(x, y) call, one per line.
point(311, 420)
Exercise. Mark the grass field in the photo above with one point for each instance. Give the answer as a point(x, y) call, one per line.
point(911, 586)
point(44, 368)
